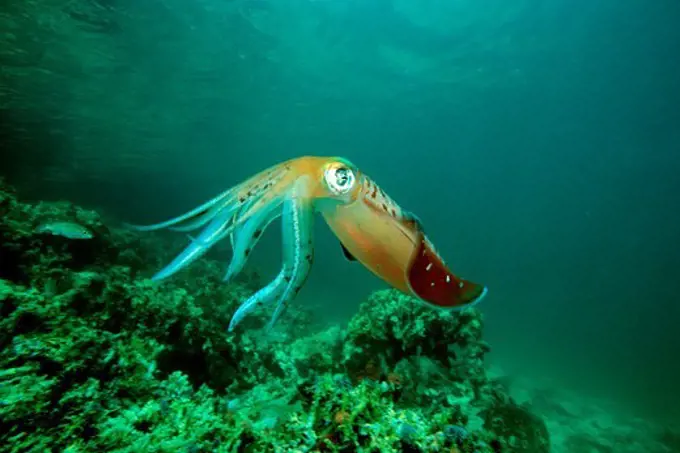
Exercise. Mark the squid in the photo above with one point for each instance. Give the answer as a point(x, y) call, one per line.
point(371, 227)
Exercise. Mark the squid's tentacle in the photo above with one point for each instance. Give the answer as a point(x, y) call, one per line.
point(245, 238)
point(254, 187)
point(244, 209)
point(265, 296)
point(200, 220)
point(297, 232)
point(204, 213)
point(223, 222)
point(217, 229)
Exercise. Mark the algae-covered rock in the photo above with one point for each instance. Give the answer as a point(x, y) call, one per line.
point(83, 337)
point(520, 429)
point(398, 338)
point(396, 326)
point(96, 357)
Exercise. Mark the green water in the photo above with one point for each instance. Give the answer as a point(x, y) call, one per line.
point(537, 141)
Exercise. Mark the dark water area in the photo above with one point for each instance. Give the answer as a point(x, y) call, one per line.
point(537, 141)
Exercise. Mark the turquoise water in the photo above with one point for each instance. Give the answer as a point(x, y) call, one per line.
point(537, 141)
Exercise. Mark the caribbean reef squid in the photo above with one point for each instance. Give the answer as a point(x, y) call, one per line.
point(371, 227)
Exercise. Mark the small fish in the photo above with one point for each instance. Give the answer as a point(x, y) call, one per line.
point(66, 229)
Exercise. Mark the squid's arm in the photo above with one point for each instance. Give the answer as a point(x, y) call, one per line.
point(297, 229)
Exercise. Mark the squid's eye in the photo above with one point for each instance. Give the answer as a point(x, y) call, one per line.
point(340, 179)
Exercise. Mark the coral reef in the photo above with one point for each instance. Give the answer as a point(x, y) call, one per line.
point(94, 357)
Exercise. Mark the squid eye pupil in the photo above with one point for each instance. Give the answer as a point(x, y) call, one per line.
point(341, 177)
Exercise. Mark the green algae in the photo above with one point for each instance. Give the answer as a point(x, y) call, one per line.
point(95, 357)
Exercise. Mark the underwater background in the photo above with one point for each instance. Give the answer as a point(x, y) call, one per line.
point(536, 140)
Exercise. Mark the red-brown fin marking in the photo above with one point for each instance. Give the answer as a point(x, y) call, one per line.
point(432, 281)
